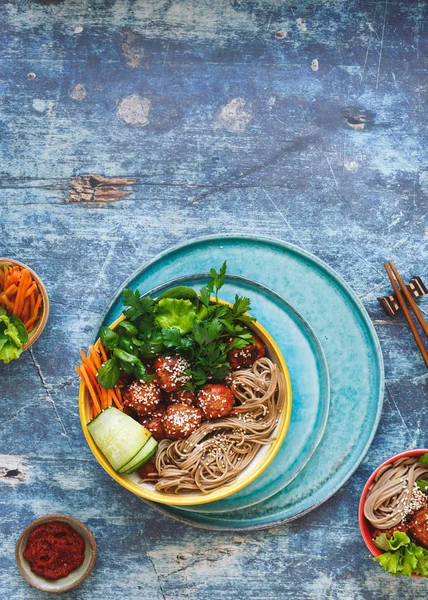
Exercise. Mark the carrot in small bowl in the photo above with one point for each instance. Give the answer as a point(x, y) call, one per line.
point(23, 294)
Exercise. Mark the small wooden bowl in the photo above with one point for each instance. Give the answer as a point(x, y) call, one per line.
point(41, 322)
point(75, 578)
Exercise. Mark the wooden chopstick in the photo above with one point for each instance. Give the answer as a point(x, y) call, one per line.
point(402, 303)
point(410, 299)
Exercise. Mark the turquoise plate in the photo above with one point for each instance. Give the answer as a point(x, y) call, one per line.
point(350, 344)
point(309, 379)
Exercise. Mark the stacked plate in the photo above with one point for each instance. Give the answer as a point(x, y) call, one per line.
point(333, 357)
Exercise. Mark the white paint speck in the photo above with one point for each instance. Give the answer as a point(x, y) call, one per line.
point(78, 29)
point(395, 220)
point(423, 181)
point(40, 105)
point(271, 101)
point(234, 116)
point(78, 92)
point(301, 24)
point(315, 65)
point(134, 110)
point(351, 165)
point(13, 462)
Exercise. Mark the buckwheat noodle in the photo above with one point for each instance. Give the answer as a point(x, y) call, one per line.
point(220, 449)
point(391, 493)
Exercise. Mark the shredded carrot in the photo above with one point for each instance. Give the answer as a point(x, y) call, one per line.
point(11, 290)
point(25, 314)
point(32, 302)
point(5, 301)
point(35, 313)
point(95, 357)
point(31, 289)
point(112, 397)
point(88, 372)
point(119, 395)
point(102, 392)
point(102, 350)
point(19, 300)
point(82, 372)
point(20, 294)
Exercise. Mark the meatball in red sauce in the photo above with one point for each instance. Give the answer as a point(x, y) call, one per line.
point(182, 397)
point(180, 420)
point(418, 527)
point(148, 470)
point(170, 372)
point(154, 423)
point(142, 397)
point(215, 401)
point(242, 358)
point(390, 532)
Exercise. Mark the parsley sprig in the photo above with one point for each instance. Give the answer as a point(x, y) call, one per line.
point(200, 328)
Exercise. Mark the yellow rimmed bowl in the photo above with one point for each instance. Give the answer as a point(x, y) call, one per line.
point(40, 324)
point(259, 463)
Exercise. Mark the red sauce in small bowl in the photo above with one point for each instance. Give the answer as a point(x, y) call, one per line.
point(54, 549)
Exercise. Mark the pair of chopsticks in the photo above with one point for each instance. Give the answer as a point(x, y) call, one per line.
point(390, 269)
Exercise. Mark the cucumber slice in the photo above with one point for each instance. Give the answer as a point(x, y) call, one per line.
point(119, 437)
point(145, 453)
point(152, 453)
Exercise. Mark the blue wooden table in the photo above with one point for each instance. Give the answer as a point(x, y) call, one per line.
point(305, 121)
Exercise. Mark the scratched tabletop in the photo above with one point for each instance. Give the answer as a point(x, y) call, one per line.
point(128, 126)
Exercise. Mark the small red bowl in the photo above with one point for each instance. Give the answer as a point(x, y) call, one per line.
point(365, 526)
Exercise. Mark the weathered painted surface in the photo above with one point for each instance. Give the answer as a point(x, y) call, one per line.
point(303, 121)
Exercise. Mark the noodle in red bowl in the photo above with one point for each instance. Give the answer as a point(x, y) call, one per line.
point(393, 514)
point(185, 399)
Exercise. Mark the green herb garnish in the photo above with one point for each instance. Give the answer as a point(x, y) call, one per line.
point(423, 459)
point(109, 338)
point(178, 322)
point(109, 373)
point(423, 485)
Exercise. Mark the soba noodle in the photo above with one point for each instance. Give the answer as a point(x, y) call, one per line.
point(219, 450)
point(390, 496)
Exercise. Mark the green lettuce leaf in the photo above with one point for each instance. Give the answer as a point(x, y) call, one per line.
point(11, 331)
point(13, 336)
point(180, 292)
point(390, 561)
point(20, 328)
point(404, 557)
point(398, 539)
point(172, 312)
point(3, 340)
point(423, 459)
point(10, 352)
